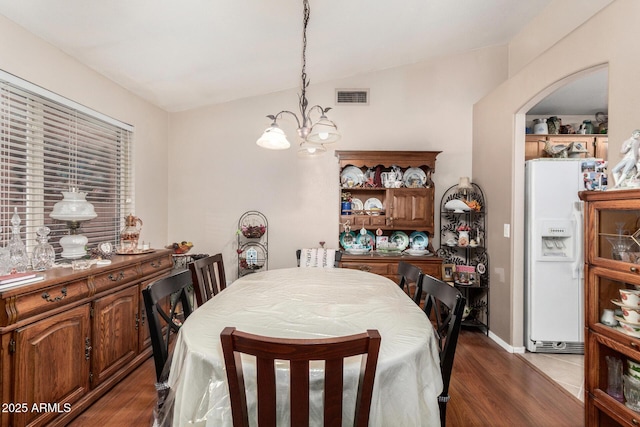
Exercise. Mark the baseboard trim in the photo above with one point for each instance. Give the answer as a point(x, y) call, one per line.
point(505, 345)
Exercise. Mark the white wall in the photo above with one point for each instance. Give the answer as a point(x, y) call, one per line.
point(30, 58)
point(498, 138)
point(217, 172)
point(553, 23)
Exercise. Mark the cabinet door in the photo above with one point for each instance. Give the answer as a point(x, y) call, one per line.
point(601, 149)
point(412, 208)
point(115, 332)
point(615, 227)
point(51, 365)
point(534, 145)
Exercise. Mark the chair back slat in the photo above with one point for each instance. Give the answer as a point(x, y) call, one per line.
point(208, 277)
point(410, 274)
point(266, 378)
point(163, 299)
point(444, 304)
point(299, 352)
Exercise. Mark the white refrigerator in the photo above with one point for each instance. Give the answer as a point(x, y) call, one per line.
point(554, 285)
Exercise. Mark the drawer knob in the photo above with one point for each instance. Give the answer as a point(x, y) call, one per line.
point(365, 268)
point(633, 344)
point(635, 422)
point(633, 269)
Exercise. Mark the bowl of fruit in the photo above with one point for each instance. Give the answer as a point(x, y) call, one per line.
point(180, 248)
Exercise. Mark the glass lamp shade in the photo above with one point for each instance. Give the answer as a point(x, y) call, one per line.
point(273, 138)
point(308, 149)
point(73, 207)
point(324, 132)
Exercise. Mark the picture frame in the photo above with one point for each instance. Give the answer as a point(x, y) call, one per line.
point(448, 271)
point(473, 279)
point(461, 277)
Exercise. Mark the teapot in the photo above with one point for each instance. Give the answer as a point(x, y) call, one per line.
point(130, 234)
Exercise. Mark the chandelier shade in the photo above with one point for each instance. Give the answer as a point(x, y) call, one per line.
point(274, 138)
point(309, 149)
point(313, 135)
point(324, 132)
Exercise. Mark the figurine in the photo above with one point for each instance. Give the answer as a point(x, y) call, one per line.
point(629, 148)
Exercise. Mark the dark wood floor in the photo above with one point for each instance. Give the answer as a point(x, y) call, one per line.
point(489, 388)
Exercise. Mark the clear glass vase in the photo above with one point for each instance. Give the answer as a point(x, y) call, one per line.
point(44, 257)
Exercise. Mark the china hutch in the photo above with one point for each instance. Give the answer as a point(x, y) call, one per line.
point(66, 340)
point(612, 346)
point(390, 198)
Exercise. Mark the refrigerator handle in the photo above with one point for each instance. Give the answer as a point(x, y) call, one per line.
point(578, 266)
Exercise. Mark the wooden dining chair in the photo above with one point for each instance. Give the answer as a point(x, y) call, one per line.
point(208, 277)
point(337, 259)
point(409, 275)
point(167, 305)
point(444, 305)
point(299, 352)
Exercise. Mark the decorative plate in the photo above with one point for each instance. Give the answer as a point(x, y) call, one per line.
point(351, 176)
point(457, 206)
point(368, 239)
point(356, 205)
point(480, 268)
point(620, 304)
point(347, 239)
point(400, 239)
point(359, 251)
point(623, 320)
point(416, 252)
point(373, 204)
point(419, 238)
point(414, 178)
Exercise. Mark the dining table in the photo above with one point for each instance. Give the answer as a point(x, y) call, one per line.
point(309, 303)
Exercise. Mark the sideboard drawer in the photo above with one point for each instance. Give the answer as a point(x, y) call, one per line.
point(39, 301)
point(376, 268)
point(112, 278)
point(155, 266)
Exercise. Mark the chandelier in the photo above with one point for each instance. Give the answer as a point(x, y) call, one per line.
point(314, 135)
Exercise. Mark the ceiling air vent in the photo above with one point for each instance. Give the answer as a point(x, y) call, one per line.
point(352, 96)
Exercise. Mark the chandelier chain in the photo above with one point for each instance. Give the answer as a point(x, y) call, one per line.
point(303, 98)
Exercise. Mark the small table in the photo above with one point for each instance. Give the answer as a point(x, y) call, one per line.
point(311, 303)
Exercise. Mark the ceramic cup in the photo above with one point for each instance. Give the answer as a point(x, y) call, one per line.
point(630, 297)
point(631, 315)
point(608, 317)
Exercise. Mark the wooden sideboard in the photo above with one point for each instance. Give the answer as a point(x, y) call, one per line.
point(387, 265)
point(67, 340)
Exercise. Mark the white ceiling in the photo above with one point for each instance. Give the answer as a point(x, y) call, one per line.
point(190, 53)
point(587, 95)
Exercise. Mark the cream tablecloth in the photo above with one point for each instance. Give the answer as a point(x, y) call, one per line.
point(305, 303)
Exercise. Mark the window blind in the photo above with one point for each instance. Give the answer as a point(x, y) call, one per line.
point(49, 144)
